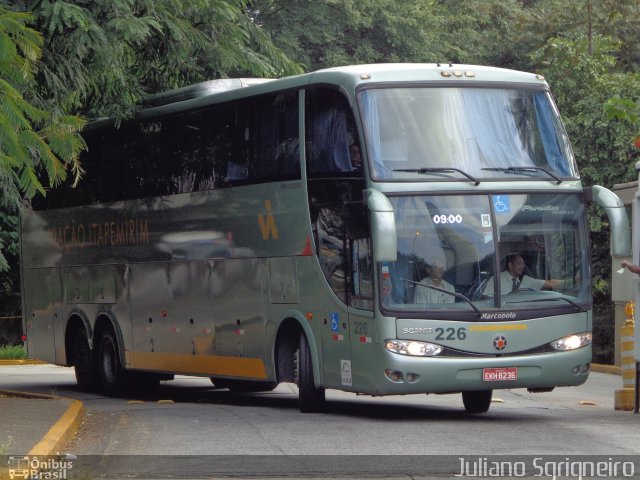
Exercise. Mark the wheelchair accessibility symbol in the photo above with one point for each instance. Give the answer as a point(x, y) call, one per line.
point(501, 204)
point(335, 322)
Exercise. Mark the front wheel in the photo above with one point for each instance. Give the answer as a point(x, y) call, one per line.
point(113, 377)
point(477, 401)
point(310, 398)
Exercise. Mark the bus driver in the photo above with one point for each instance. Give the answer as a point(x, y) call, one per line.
point(513, 278)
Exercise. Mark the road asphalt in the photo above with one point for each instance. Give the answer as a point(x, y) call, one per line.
point(34, 424)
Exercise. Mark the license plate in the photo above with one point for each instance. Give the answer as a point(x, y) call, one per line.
point(499, 374)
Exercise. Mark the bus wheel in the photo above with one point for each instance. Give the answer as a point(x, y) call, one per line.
point(84, 363)
point(113, 378)
point(310, 398)
point(477, 401)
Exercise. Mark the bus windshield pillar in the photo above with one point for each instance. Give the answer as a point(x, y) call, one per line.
point(383, 227)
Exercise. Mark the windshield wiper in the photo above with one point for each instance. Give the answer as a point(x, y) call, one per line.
point(557, 299)
point(438, 170)
point(454, 294)
point(520, 170)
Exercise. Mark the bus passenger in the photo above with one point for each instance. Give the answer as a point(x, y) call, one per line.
point(513, 278)
point(424, 294)
point(356, 159)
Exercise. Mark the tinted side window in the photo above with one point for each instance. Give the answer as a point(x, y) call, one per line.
point(332, 145)
point(104, 172)
point(189, 153)
point(235, 143)
point(272, 135)
point(145, 155)
point(226, 149)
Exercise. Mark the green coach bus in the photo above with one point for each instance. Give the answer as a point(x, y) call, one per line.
point(355, 228)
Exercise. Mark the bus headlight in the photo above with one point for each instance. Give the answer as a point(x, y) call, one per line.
point(413, 348)
point(572, 341)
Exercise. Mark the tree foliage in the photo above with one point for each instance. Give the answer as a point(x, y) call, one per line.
point(37, 148)
point(337, 32)
point(102, 57)
point(33, 142)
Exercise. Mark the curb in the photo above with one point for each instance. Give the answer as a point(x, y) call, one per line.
point(24, 361)
point(61, 431)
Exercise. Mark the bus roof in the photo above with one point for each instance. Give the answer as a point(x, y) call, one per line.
point(350, 77)
point(389, 72)
point(201, 89)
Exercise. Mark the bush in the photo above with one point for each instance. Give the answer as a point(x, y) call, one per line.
point(15, 352)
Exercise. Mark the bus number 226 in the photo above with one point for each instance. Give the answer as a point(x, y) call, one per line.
point(451, 333)
point(361, 328)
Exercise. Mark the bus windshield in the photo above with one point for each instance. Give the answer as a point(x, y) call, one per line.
point(468, 252)
point(498, 133)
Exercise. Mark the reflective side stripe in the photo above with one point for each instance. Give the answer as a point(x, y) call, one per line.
point(200, 364)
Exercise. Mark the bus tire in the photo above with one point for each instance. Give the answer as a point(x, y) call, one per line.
point(477, 401)
point(310, 398)
point(84, 362)
point(113, 377)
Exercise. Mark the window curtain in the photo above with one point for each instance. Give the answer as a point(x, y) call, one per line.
point(552, 151)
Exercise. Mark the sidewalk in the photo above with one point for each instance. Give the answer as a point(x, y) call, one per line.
point(36, 424)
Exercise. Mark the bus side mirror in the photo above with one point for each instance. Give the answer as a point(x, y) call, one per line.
point(618, 220)
point(383, 227)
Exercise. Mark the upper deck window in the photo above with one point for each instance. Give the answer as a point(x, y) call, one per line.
point(488, 133)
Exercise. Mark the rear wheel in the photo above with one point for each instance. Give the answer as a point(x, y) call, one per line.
point(310, 397)
point(113, 377)
point(84, 363)
point(477, 401)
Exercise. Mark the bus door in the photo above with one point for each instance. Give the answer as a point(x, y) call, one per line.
point(336, 350)
point(331, 242)
point(360, 291)
point(344, 254)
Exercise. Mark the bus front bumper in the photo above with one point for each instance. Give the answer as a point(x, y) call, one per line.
point(400, 374)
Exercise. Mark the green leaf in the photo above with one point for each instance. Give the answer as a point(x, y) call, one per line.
point(7, 48)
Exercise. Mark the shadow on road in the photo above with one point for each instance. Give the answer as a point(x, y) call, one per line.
point(364, 407)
